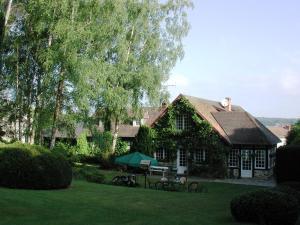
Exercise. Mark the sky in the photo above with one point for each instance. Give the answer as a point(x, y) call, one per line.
point(248, 50)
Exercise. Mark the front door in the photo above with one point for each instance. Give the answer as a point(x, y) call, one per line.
point(181, 161)
point(246, 163)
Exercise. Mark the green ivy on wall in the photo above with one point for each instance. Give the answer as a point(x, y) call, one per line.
point(200, 135)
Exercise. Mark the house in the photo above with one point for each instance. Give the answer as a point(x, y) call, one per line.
point(127, 131)
point(281, 132)
point(251, 144)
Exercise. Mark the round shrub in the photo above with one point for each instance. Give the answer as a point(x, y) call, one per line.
point(289, 191)
point(33, 168)
point(243, 208)
point(266, 207)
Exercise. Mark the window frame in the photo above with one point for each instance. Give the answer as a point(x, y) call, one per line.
point(182, 158)
point(200, 156)
point(183, 122)
point(233, 158)
point(260, 159)
point(160, 154)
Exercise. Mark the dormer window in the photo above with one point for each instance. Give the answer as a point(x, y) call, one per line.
point(183, 122)
point(136, 123)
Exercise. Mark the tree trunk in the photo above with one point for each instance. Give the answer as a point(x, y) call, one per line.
point(115, 136)
point(58, 105)
point(7, 11)
point(4, 20)
point(36, 112)
point(29, 93)
point(18, 98)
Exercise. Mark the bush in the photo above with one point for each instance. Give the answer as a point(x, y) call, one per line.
point(284, 188)
point(88, 173)
point(293, 137)
point(287, 164)
point(243, 208)
point(143, 142)
point(33, 167)
point(200, 170)
point(121, 148)
point(64, 149)
point(67, 151)
point(267, 207)
point(103, 141)
point(82, 144)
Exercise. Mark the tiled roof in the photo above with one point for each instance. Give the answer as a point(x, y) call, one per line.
point(242, 129)
point(125, 130)
point(280, 132)
point(235, 127)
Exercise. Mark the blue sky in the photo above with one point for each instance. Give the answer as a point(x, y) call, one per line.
point(246, 49)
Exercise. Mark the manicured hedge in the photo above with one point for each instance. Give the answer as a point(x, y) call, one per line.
point(265, 207)
point(287, 167)
point(33, 167)
point(287, 189)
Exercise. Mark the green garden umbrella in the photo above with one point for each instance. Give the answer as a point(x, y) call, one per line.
point(134, 159)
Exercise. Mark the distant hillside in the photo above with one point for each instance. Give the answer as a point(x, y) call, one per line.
point(277, 121)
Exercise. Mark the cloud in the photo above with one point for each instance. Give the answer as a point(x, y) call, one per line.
point(178, 80)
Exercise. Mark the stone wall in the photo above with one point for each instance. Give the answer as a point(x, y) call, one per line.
point(233, 172)
point(263, 173)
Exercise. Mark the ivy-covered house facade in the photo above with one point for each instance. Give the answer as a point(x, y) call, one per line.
point(204, 137)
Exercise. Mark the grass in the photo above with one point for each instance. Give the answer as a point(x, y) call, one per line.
point(90, 204)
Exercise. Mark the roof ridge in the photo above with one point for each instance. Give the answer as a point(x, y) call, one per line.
point(208, 100)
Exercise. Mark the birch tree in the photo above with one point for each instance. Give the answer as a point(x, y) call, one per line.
point(145, 43)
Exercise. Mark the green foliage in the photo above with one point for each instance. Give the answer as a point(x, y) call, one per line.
point(67, 151)
point(103, 142)
point(144, 141)
point(293, 137)
point(200, 135)
point(287, 189)
point(121, 148)
point(265, 207)
point(82, 144)
point(287, 164)
point(75, 56)
point(88, 173)
point(32, 167)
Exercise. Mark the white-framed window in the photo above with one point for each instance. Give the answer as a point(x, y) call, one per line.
point(271, 157)
point(200, 156)
point(183, 122)
point(233, 160)
point(160, 154)
point(136, 122)
point(182, 158)
point(260, 159)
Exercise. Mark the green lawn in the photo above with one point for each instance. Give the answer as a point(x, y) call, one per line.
point(89, 203)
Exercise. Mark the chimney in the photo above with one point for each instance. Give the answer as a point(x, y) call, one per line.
point(228, 108)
